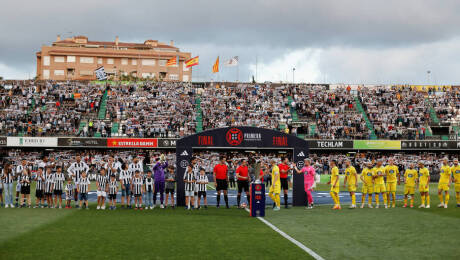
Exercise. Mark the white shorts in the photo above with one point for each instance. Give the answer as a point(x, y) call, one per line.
point(101, 193)
point(189, 193)
point(18, 187)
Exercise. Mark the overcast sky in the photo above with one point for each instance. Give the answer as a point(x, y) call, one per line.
point(326, 41)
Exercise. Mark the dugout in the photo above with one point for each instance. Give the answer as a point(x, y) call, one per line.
point(247, 138)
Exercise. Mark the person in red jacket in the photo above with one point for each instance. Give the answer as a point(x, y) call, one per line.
point(221, 180)
point(284, 171)
point(242, 173)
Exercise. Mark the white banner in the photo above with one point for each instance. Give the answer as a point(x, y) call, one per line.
point(231, 62)
point(32, 141)
point(100, 73)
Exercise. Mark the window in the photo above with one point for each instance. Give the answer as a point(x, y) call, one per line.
point(70, 58)
point(86, 73)
point(46, 61)
point(133, 62)
point(148, 62)
point(86, 60)
point(162, 62)
point(59, 59)
point(99, 60)
point(46, 73)
point(58, 72)
point(185, 78)
point(185, 67)
point(173, 77)
point(109, 61)
point(148, 75)
point(124, 61)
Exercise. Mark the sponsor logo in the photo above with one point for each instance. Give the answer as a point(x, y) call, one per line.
point(132, 142)
point(300, 164)
point(280, 141)
point(205, 140)
point(234, 136)
point(2, 141)
point(329, 144)
point(82, 142)
point(301, 154)
point(166, 142)
point(253, 137)
point(32, 141)
point(258, 187)
point(184, 164)
point(184, 153)
point(419, 145)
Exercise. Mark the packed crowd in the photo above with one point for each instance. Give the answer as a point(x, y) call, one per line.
point(163, 109)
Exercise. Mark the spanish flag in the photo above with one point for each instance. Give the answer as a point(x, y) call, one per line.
point(215, 68)
point(192, 62)
point(173, 61)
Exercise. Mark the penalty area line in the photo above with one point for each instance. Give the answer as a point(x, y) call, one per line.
point(291, 239)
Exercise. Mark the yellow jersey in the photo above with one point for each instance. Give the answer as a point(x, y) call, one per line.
point(335, 176)
point(423, 173)
point(445, 174)
point(379, 171)
point(276, 171)
point(351, 175)
point(455, 169)
point(368, 175)
point(410, 175)
point(391, 172)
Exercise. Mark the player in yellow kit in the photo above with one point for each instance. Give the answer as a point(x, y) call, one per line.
point(444, 184)
point(455, 169)
point(275, 189)
point(410, 180)
point(424, 185)
point(392, 174)
point(379, 184)
point(351, 181)
point(367, 177)
point(335, 185)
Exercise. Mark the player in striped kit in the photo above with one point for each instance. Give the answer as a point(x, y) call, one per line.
point(138, 189)
point(39, 188)
point(83, 188)
point(59, 179)
point(125, 179)
point(75, 170)
point(49, 187)
point(112, 167)
point(201, 183)
point(24, 179)
point(189, 180)
point(8, 177)
point(149, 189)
point(113, 189)
point(101, 183)
point(69, 189)
point(19, 170)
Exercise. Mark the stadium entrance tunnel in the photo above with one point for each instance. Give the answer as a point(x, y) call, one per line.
point(249, 138)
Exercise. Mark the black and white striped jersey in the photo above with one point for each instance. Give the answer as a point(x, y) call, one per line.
point(83, 185)
point(76, 169)
point(59, 179)
point(102, 182)
point(19, 170)
point(25, 180)
point(69, 189)
point(116, 166)
point(125, 177)
point(137, 185)
point(49, 182)
point(8, 176)
point(113, 186)
point(189, 176)
point(148, 184)
point(133, 167)
point(40, 182)
point(201, 182)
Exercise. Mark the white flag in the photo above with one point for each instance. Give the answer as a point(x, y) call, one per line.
point(100, 73)
point(231, 62)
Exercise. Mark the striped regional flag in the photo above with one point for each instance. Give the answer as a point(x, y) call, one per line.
point(192, 62)
point(215, 67)
point(173, 61)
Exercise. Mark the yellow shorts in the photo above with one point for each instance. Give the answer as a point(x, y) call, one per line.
point(391, 186)
point(443, 186)
point(368, 189)
point(423, 187)
point(409, 190)
point(457, 187)
point(379, 188)
point(335, 189)
point(276, 190)
point(351, 188)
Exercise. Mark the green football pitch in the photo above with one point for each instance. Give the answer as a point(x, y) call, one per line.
point(397, 233)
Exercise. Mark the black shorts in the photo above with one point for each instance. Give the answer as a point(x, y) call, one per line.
point(222, 184)
point(169, 191)
point(284, 184)
point(112, 196)
point(57, 192)
point(25, 189)
point(243, 185)
point(202, 194)
point(137, 195)
point(39, 194)
point(48, 194)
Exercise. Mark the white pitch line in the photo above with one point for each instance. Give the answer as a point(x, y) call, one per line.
point(291, 239)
